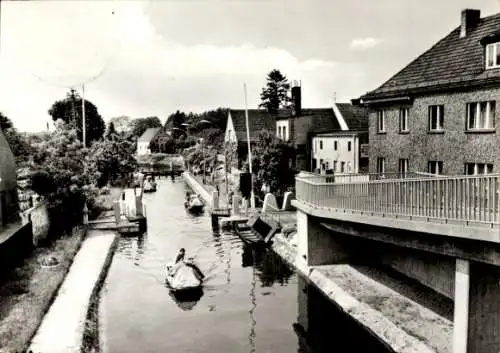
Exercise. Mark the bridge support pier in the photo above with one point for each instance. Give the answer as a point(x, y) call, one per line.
point(482, 299)
point(316, 245)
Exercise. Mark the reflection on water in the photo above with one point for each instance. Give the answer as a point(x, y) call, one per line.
point(187, 300)
point(248, 302)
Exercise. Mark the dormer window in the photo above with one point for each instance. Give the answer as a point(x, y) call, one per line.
point(493, 55)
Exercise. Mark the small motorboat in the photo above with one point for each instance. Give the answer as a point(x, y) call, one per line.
point(149, 184)
point(194, 204)
point(184, 276)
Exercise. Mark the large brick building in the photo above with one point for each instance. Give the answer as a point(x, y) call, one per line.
point(440, 114)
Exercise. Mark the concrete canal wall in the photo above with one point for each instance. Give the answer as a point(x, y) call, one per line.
point(197, 187)
point(375, 322)
point(63, 326)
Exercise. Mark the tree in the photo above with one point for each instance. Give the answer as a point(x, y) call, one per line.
point(18, 143)
point(275, 95)
point(64, 176)
point(271, 164)
point(70, 111)
point(139, 125)
point(113, 159)
point(111, 130)
point(121, 123)
point(175, 121)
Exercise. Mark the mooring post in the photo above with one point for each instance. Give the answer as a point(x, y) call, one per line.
point(116, 208)
point(85, 214)
point(236, 205)
point(215, 200)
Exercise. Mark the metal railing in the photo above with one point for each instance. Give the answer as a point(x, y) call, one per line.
point(343, 178)
point(460, 198)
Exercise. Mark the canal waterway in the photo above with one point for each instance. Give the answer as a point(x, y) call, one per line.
point(251, 301)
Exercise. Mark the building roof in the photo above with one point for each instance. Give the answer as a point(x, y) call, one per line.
point(356, 117)
point(453, 62)
point(149, 134)
point(258, 119)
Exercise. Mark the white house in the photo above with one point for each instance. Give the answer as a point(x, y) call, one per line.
point(145, 139)
point(340, 150)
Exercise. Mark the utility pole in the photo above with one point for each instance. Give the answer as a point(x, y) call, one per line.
point(84, 125)
point(252, 198)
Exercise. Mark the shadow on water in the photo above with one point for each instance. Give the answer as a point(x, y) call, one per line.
point(187, 300)
point(323, 327)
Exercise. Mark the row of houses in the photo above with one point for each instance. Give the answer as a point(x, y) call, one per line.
point(437, 115)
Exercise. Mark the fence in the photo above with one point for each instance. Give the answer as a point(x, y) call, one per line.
point(461, 198)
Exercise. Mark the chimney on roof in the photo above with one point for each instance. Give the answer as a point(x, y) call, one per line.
point(470, 19)
point(296, 98)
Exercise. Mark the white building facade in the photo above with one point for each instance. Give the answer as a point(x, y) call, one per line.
point(336, 152)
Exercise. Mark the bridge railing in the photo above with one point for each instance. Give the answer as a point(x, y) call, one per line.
point(460, 198)
point(358, 177)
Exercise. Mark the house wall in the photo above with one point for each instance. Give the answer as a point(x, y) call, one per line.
point(329, 154)
point(143, 148)
point(454, 147)
point(230, 134)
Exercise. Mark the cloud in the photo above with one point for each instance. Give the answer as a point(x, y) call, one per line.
point(364, 43)
point(144, 73)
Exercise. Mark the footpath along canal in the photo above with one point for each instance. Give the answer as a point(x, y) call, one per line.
point(251, 300)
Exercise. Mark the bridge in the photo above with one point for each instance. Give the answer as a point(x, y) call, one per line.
point(442, 231)
point(161, 164)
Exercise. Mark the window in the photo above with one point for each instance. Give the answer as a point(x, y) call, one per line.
point(436, 117)
point(327, 164)
point(342, 167)
point(403, 166)
point(493, 55)
point(349, 146)
point(435, 167)
point(481, 115)
point(478, 168)
point(403, 119)
point(380, 165)
point(334, 166)
point(320, 144)
point(284, 133)
point(321, 164)
point(335, 146)
point(380, 121)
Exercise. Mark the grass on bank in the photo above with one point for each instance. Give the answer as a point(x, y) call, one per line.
point(29, 290)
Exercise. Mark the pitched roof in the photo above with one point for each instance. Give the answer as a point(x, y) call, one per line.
point(323, 119)
point(356, 117)
point(258, 119)
point(149, 134)
point(451, 62)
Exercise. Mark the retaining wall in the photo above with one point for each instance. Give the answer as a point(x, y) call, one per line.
point(197, 188)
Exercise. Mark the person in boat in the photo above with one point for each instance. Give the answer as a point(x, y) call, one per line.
point(180, 255)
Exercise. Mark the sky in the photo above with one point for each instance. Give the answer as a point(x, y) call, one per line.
point(151, 58)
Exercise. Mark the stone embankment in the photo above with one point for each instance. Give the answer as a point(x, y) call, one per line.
point(62, 328)
point(197, 187)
